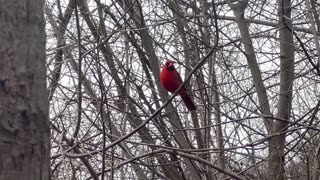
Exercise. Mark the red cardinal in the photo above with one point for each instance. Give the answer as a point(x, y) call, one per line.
point(171, 80)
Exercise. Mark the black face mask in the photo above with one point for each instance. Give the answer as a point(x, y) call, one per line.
point(170, 66)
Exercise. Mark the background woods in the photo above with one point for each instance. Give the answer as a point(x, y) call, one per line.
point(255, 78)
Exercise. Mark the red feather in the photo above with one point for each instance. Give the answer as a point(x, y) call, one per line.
point(171, 81)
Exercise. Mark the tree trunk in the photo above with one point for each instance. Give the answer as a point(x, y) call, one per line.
point(276, 149)
point(24, 127)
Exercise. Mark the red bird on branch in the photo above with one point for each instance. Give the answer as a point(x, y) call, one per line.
point(171, 80)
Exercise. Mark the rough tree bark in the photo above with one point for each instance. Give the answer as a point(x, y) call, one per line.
point(24, 127)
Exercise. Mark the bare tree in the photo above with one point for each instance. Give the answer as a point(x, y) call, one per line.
point(251, 67)
point(24, 125)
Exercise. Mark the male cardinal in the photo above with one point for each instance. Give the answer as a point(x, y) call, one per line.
point(171, 80)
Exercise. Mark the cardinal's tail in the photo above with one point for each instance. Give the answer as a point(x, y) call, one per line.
point(188, 102)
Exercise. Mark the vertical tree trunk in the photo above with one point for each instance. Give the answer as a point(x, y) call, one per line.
point(24, 127)
point(217, 117)
point(276, 149)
